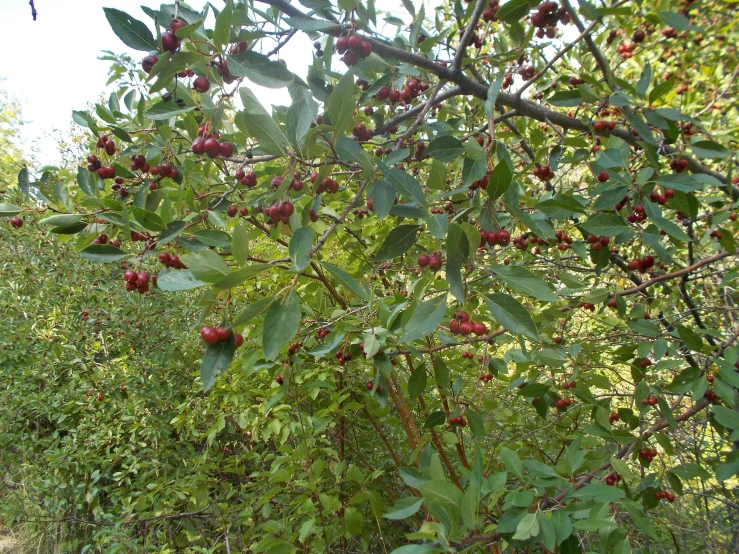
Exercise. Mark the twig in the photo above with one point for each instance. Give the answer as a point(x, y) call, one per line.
point(419, 120)
point(469, 31)
point(720, 96)
point(34, 13)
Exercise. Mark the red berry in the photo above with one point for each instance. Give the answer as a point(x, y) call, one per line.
point(170, 42)
point(226, 149)
point(223, 333)
point(201, 84)
point(238, 339)
point(212, 147)
point(209, 334)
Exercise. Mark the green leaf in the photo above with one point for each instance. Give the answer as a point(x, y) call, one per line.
point(438, 224)
point(383, 198)
point(500, 179)
point(441, 493)
point(23, 183)
point(522, 280)
point(216, 360)
point(349, 150)
point(511, 461)
point(280, 324)
point(434, 419)
point(253, 310)
point(171, 231)
point(513, 11)
point(84, 181)
point(404, 183)
point(132, 32)
point(600, 493)
point(661, 89)
point(454, 278)
point(222, 30)
point(213, 237)
point(341, 104)
point(726, 416)
point(259, 124)
point(164, 110)
point(235, 278)
point(606, 225)
point(445, 148)
point(102, 253)
point(709, 149)
point(511, 314)
point(561, 206)
point(308, 24)
point(206, 266)
point(528, 527)
point(417, 382)
point(62, 220)
point(240, 244)
point(347, 280)
point(259, 69)
point(425, 319)
point(397, 242)
point(172, 280)
point(493, 93)
point(148, 220)
point(644, 80)
point(7, 210)
point(458, 245)
point(403, 508)
point(417, 548)
point(690, 338)
point(300, 244)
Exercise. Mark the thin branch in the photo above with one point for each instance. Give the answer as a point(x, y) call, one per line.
point(419, 120)
point(720, 96)
point(469, 32)
point(34, 13)
point(594, 50)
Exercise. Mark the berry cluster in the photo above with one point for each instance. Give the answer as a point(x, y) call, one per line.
point(641, 264)
point(137, 281)
point(212, 147)
point(165, 170)
point(612, 479)
point(249, 179)
point(626, 50)
point(343, 357)
point(587, 306)
point(468, 355)
point(462, 324)
point(546, 17)
point(328, 185)
point(716, 234)
point(710, 396)
point(543, 172)
point(171, 260)
point(562, 402)
point(482, 182)
point(212, 335)
point(280, 212)
point(598, 242)
point(569, 385)
point(138, 163)
point(433, 262)
point(574, 81)
point(361, 133)
point(496, 238)
point(602, 125)
point(655, 196)
point(353, 47)
point(679, 165)
point(322, 333)
point(488, 14)
point(486, 377)
point(637, 215)
point(666, 495)
point(459, 420)
point(650, 400)
point(563, 240)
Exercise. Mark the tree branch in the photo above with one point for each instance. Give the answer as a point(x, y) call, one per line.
point(469, 32)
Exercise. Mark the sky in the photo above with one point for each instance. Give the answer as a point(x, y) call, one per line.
point(55, 69)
